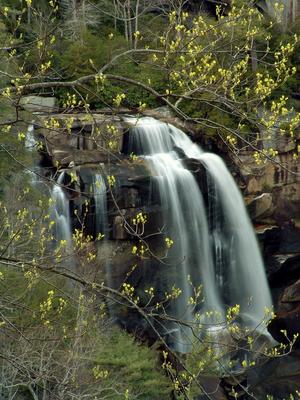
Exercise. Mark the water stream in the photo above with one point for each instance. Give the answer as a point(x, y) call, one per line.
point(214, 246)
point(214, 253)
point(100, 198)
point(60, 214)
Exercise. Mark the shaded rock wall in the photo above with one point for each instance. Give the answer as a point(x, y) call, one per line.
point(271, 190)
point(93, 144)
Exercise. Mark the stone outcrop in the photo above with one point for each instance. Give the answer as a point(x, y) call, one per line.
point(261, 207)
point(277, 377)
point(39, 104)
point(80, 138)
point(287, 322)
point(89, 145)
point(271, 190)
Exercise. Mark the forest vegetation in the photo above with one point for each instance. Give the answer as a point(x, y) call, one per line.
point(226, 69)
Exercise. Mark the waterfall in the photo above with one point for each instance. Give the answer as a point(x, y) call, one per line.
point(246, 276)
point(99, 188)
point(30, 141)
point(100, 197)
point(30, 145)
point(60, 214)
point(214, 246)
point(35, 172)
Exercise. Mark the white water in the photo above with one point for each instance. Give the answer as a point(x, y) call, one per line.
point(60, 214)
point(59, 209)
point(246, 274)
point(30, 141)
point(217, 249)
point(100, 196)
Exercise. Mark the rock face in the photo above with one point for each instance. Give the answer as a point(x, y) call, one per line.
point(261, 207)
point(281, 251)
point(272, 195)
point(277, 378)
point(286, 325)
point(80, 138)
point(91, 146)
point(271, 190)
point(39, 104)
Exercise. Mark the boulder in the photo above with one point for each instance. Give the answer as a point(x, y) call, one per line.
point(119, 231)
point(279, 179)
point(261, 207)
point(63, 157)
point(291, 294)
point(212, 388)
point(284, 264)
point(277, 378)
point(269, 237)
point(288, 315)
point(82, 132)
point(39, 104)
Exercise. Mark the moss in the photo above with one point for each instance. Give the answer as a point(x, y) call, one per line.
point(132, 365)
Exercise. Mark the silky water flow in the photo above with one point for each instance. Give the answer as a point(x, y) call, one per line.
point(215, 246)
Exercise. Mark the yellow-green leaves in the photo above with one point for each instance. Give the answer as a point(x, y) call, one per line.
point(169, 242)
point(140, 219)
point(100, 373)
point(111, 180)
point(232, 313)
point(118, 99)
point(138, 223)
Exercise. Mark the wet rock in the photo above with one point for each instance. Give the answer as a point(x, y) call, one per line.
point(211, 386)
point(290, 234)
point(287, 206)
point(283, 270)
point(288, 315)
point(277, 377)
point(63, 156)
point(291, 294)
point(269, 237)
point(130, 198)
point(284, 264)
point(281, 252)
point(201, 175)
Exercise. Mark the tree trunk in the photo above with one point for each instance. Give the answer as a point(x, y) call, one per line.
point(254, 59)
point(125, 22)
point(115, 15)
point(129, 22)
point(136, 27)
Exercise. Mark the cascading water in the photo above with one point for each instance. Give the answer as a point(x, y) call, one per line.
point(245, 270)
point(216, 249)
point(60, 214)
point(30, 145)
point(30, 142)
point(100, 197)
point(99, 188)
